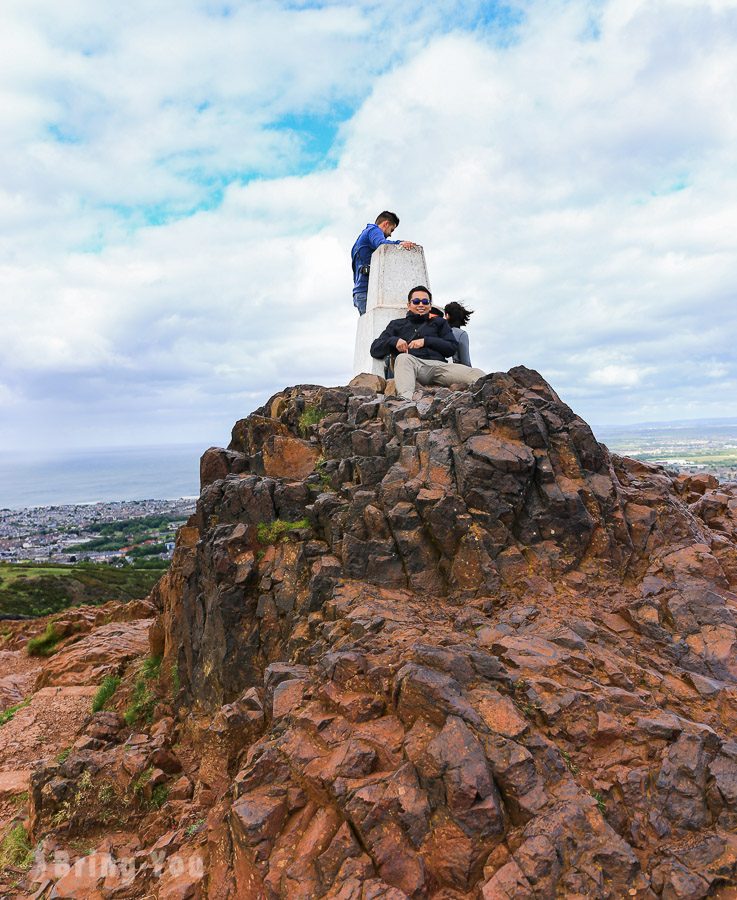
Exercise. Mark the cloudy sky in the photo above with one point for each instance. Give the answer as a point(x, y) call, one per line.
point(181, 182)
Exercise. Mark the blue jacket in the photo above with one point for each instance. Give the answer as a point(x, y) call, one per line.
point(367, 241)
point(439, 340)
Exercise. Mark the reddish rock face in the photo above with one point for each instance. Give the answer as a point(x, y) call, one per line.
point(290, 458)
point(496, 661)
point(96, 655)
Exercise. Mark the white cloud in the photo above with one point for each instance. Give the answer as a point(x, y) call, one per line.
point(617, 376)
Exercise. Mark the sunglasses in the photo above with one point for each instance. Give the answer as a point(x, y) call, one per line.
point(420, 302)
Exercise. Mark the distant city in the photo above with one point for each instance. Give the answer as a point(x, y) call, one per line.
point(125, 531)
point(707, 445)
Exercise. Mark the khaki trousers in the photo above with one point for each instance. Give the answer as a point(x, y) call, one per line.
point(409, 370)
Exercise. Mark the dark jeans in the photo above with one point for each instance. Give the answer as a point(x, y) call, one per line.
point(359, 301)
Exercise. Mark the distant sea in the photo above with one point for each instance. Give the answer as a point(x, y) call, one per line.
point(685, 429)
point(92, 476)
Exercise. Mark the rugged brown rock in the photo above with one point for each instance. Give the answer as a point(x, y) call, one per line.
point(487, 660)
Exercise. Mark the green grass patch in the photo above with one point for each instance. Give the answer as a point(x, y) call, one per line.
point(311, 415)
point(144, 550)
point(127, 532)
point(16, 849)
point(40, 590)
point(195, 827)
point(106, 690)
point(143, 700)
point(7, 714)
point(44, 644)
point(106, 794)
point(571, 766)
point(271, 532)
point(320, 469)
point(600, 801)
point(142, 780)
point(159, 796)
point(12, 572)
point(63, 755)
point(138, 527)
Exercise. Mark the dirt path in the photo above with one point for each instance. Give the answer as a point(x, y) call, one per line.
point(48, 725)
point(17, 676)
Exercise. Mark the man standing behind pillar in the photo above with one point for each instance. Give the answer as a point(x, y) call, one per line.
point(368, 240)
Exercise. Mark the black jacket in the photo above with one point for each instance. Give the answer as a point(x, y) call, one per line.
point(440, 343)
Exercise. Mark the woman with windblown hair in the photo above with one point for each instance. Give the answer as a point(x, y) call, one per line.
point(457, 316)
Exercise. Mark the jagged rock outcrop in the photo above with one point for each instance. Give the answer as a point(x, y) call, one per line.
point(450, 649)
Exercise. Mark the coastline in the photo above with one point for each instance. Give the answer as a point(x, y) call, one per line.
point(105, 475)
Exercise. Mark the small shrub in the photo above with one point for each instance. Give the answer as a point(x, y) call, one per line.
point(106, 690)
point(271, 532)
point(195, 827)
point(81, 845)
point(93, 801)
point(572, 767)
point(44, 644)
point(16, 849)
point(322, 474)
point(310, 416)
point(63, 755)
point(142, 780)
point(159, 796)
point(143, 700)
point(7, 714)
point(151, 667)
point(106, 794)
point(600, 801)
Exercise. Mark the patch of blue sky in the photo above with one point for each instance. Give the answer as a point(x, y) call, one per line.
point(196, 167)
point(92, 245)
point(317, 135)
point(156, 214)
point(220, 10)
point(592, 30)
point(129, 219)
point(497, 22)
point(62, 135)
point(673, 185)
point(306, 4)
point(212, 185)
point(88, 40)
point(502, 16)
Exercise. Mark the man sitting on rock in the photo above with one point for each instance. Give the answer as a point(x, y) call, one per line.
point(420, 346)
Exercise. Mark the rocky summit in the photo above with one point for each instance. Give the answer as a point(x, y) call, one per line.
point(450, 648)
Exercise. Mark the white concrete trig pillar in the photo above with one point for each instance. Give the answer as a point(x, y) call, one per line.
point(394, 270)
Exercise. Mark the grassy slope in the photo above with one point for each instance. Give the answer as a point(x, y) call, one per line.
point(39, 590)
